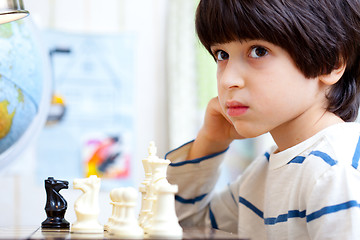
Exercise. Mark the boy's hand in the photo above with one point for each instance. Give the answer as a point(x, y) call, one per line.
point(216, 133)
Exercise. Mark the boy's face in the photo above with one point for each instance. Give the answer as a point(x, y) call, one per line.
point(261, 90)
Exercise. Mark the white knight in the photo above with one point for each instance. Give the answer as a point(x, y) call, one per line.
point(87, 206)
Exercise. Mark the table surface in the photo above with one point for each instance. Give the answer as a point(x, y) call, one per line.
point(35, 232)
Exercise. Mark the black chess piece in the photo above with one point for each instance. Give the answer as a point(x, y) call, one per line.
point(56, 205)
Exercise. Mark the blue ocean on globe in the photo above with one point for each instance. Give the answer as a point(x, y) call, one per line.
point(22, 83)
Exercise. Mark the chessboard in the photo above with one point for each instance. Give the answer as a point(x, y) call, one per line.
point(38, 233)
point(157, 218)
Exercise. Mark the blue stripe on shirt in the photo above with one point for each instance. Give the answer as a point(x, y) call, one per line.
point(285, 217)
point(212, 219)
point(191, 200)
point(331, 209)
point(178, 148)
point(251, 207)
point(322, 155)
point(297, 213)
point(267, 155)
point(298, 159)
point(232, 195)
point(356, 157)
point(197, 160)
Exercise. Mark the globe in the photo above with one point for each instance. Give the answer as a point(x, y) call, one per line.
point(24, 87)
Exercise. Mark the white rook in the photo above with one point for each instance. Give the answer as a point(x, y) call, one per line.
point(165, 224)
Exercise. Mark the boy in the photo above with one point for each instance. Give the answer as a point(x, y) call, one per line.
point(290, 68)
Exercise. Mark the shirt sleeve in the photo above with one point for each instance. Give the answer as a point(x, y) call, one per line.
point(196, 202)
point(333, 208)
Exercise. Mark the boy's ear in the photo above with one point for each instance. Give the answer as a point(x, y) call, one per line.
point(334, 76)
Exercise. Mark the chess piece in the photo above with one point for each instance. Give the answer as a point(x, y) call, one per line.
point(118, 207)
point(56, 205)
point(146, 183)
point(87, 206)
point(126, 224)
point(165, 224)
point(110, 222)
point(144, 210)
point(158, 169)
point(147, 163)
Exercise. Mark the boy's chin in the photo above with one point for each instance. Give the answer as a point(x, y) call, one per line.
point(249, 133)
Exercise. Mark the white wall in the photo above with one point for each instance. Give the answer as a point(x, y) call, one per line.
point(147, 20)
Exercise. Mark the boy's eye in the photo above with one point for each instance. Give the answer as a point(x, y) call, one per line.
point(221, 55)
point(257, 52)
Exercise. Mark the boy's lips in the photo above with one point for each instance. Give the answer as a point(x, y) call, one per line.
point(235, 108)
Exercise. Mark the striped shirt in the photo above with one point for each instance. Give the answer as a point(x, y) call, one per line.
point(309, 191)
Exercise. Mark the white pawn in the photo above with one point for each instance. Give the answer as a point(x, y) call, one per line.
point(110, 222)
point(126, 225)
point(87, 206)
point(165, 224)
point(118, 208)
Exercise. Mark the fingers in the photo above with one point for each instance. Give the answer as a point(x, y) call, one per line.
point(216, 103)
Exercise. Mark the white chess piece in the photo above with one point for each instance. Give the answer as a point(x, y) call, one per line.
point(143, 211)
point(110, 222)
point(145, 204)
point(126, 224)
point(165, 224)
point(158, 168)
point(118, 208)
point(148, 197)
point(87, 206)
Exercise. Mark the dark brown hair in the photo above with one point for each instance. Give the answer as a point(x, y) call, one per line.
point(320, 35)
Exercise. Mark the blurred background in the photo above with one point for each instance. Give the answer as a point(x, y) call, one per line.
point(117, 75)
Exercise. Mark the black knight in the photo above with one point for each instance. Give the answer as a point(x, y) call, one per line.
point(56, 205)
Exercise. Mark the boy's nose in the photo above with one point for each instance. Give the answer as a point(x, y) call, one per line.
point(231, 76)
